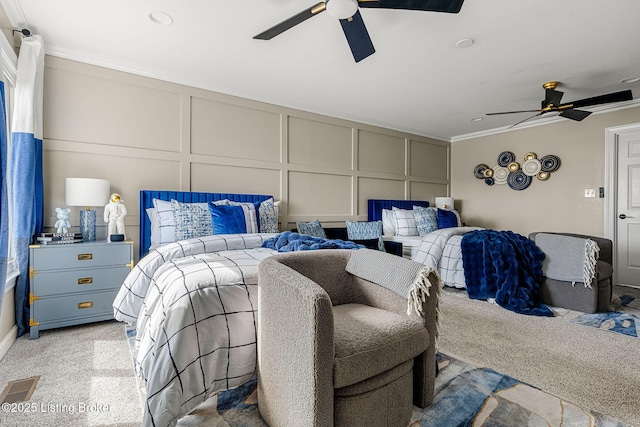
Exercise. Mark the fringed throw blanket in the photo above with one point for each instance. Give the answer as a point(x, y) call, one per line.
point(505, 266)
point(407, 278)
point(289, 241)
point(568, 258)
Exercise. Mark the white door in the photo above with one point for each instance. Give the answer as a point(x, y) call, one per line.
point(628, 209)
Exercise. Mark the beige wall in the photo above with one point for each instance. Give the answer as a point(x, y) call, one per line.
point(557, 204)
point(142, 133)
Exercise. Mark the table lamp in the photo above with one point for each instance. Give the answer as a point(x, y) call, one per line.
point(444, 203)
point(87, 192)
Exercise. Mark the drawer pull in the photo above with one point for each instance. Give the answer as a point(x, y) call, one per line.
point(85, 280)
point(82, 257)
point(87, 304)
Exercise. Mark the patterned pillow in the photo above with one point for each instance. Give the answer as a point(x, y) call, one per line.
point(191, 220)
point(235, 218)
point(167, 225)
point(426, 219)
point(365, 230)
point(405, 222)
point(268, 216)
point(313, 228)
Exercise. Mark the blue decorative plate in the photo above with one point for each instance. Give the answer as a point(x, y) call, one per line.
point(478, 171)
point(518, 180)
point(550, 163)
point(505, 158)
point(489, 181)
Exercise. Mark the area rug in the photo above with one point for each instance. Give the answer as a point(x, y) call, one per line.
point(623, 316)
point(466, 395)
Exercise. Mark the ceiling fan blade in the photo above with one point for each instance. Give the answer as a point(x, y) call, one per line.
point(624, 95)
point(449, 6)
point(577, 115)
point(291, 22)
point(552, 96)
point(357, 36)
point(528, 118)
point(512, 112)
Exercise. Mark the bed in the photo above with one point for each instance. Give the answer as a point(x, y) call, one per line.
point(489, 264)
point(193, 303)
point(191, 300)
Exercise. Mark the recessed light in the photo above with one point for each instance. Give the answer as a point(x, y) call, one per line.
point(631, 79)
point(161, 18)
point(463, 43)
point(477, 119)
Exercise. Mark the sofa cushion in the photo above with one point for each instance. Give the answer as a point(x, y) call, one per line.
point(369, 341)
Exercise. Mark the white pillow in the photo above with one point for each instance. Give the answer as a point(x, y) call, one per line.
point(405, 222)
point(154, 234)
point(388, 223)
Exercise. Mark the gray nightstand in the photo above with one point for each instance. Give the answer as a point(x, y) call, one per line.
point(75, 283)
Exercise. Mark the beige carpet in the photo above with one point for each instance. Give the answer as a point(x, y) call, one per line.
point(594, 368)
point(86, 378)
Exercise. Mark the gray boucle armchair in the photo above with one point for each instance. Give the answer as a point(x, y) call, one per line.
point(335, 349)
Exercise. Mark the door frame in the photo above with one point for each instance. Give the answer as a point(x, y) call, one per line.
point(611, 185)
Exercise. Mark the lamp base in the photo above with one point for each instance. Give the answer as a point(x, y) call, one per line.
point(88, 225)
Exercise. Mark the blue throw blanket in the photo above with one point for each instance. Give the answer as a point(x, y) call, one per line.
point(505, 266)
point(289, 241)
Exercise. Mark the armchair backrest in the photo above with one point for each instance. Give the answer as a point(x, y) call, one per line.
point(605, 245)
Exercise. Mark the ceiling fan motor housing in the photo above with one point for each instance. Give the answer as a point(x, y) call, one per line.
point(342, 9)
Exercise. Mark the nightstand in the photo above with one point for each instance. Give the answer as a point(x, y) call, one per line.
point(75, 283)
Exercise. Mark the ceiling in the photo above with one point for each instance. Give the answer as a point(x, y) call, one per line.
point(418, 80)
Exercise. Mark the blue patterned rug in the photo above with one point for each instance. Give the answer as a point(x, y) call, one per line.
point(466, 395)
point(623, 317)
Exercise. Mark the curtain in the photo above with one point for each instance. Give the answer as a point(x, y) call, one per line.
point(26, 166)
point(4, 203)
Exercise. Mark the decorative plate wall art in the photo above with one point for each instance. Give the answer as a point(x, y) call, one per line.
point(517, 175)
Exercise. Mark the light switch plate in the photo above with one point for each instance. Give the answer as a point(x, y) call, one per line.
point(589, 192)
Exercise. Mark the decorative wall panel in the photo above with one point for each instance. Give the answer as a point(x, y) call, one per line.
point(319, 144)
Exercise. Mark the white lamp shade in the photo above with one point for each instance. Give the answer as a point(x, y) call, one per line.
point(444, 203)
point(87, 192)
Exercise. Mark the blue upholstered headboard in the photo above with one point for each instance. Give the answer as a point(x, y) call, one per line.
point(375, 206)
point(146, 201)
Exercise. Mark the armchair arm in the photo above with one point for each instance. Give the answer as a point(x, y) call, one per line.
point(295, 348)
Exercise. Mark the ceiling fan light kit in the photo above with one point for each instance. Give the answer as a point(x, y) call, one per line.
point(342, 9)
point(552, 104)
point(347, 11)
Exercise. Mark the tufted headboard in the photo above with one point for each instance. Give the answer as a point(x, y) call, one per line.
point(375, 206)
point(146, 201)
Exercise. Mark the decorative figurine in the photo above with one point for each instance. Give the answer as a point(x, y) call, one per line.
point(114, 214)
point(62, 224)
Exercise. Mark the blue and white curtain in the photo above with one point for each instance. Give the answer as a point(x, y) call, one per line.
point(4, 202)
point(26, 166)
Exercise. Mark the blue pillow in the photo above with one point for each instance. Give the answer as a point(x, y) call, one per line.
point(228, 219)
point(365, 231)
point(313, 228)
point(426, 219)
point(447, 218)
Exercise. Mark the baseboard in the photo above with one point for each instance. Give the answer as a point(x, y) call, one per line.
point(8, 341)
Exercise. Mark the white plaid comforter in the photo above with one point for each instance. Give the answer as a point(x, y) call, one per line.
point(441, 249)
point(194, 305)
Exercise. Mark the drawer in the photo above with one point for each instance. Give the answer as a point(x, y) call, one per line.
point(72, 306)
point(81, 280)
point(79, 256)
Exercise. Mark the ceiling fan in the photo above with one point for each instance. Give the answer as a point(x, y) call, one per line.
point(551, 103)
point(351, 20)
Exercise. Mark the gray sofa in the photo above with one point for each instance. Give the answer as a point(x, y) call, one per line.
point(335, 349)
point(597, 298)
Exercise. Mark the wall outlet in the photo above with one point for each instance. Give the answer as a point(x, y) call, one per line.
point(589, 192)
